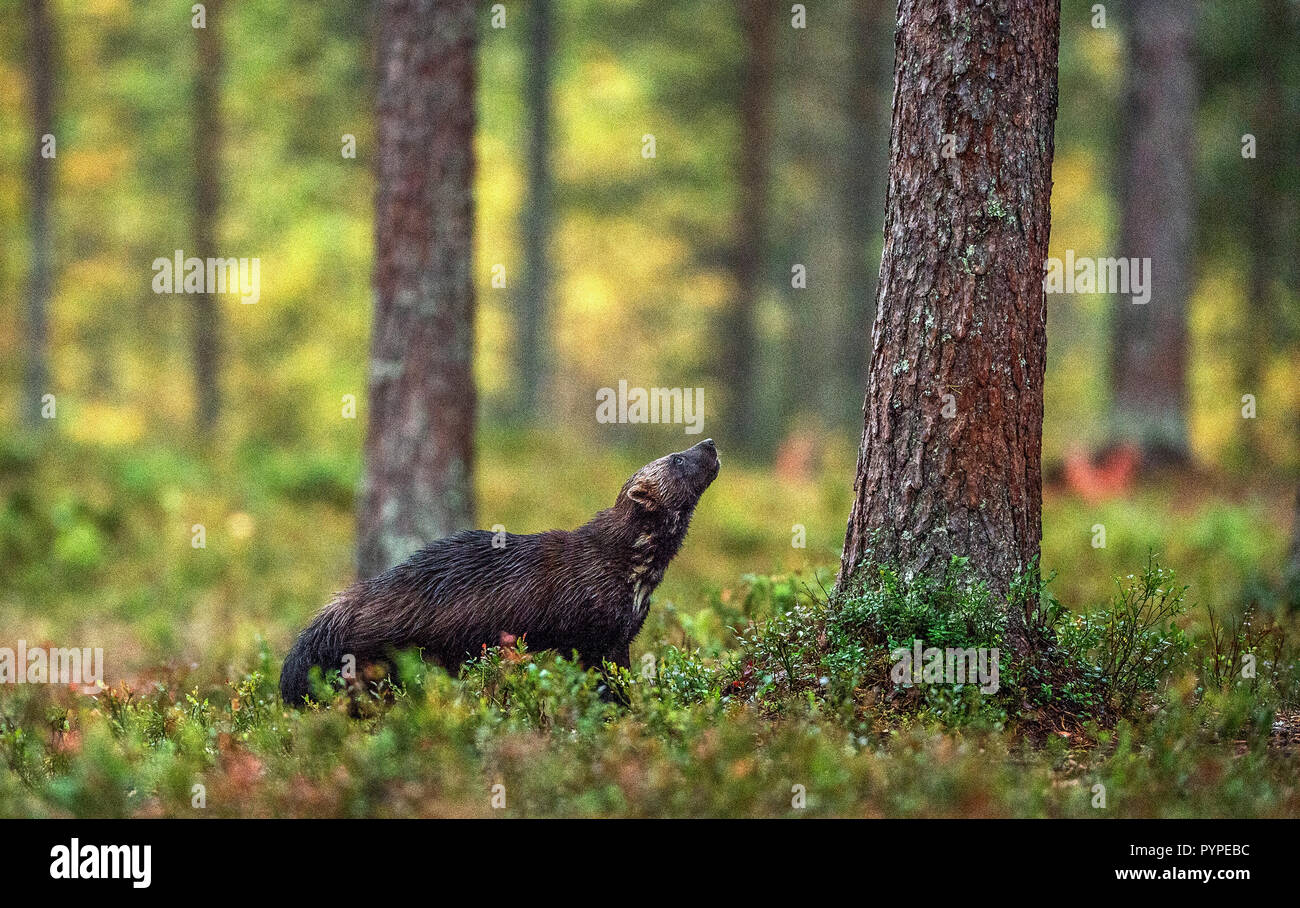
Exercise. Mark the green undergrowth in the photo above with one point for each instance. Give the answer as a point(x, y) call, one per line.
point(744, 691)
point(804, 715)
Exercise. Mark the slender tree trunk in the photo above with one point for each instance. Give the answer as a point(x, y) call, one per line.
point(1158, 193)
point(862, 196)
point(740, 343)
point(534, 304)
point(36, 324)
point(849, 152)
point(207, 339)
point(949, 463)
point(1291, 571)
point(1270, 214)
point(419, 482)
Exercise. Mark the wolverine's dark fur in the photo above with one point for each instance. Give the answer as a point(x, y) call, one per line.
point(586, 590)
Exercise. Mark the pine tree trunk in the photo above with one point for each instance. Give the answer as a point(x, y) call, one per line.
point(207, 203)
point(420, 441)
point(740, 342)
point(949, 463)
point(1158, 197)
point(36, 323)
point(534, 303)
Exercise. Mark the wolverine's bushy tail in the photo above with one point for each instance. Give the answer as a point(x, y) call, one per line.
point(319, 644)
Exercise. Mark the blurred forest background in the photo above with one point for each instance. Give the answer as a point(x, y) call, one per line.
point(770, 152)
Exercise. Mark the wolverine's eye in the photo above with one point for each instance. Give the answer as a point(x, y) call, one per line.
point(677, 459)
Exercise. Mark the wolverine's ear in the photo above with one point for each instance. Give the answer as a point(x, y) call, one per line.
point(640, 492)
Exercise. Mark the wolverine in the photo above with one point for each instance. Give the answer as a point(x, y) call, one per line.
point(585, 591)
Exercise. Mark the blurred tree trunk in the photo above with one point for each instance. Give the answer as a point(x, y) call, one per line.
point(1158, 199)
point(740, 342)
point(207, 205)
point(950, 459)
point(36, 324)
point(419, 482)
point(534, 302)
point(862, 194)
point(1270, 213)
point(1292, 569)
point(839, 136)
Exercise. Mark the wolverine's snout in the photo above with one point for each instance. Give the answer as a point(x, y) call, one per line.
point(704, 463)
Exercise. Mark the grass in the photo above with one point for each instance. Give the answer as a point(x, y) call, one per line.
point(751, 694)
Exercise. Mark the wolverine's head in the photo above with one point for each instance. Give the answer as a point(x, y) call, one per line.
point(674, 483)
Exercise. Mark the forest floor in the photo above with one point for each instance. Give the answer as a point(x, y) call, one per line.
point(750, 695)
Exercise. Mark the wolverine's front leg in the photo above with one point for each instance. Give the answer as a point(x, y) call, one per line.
point(611, 690)
point(622, 656)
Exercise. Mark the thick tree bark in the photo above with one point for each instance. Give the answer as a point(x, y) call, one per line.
point(740, 341)
point(207, 139)
point(534, 303)
point(949, 463)
point(36, 323)
point(420, 441)
point(1157, 192)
